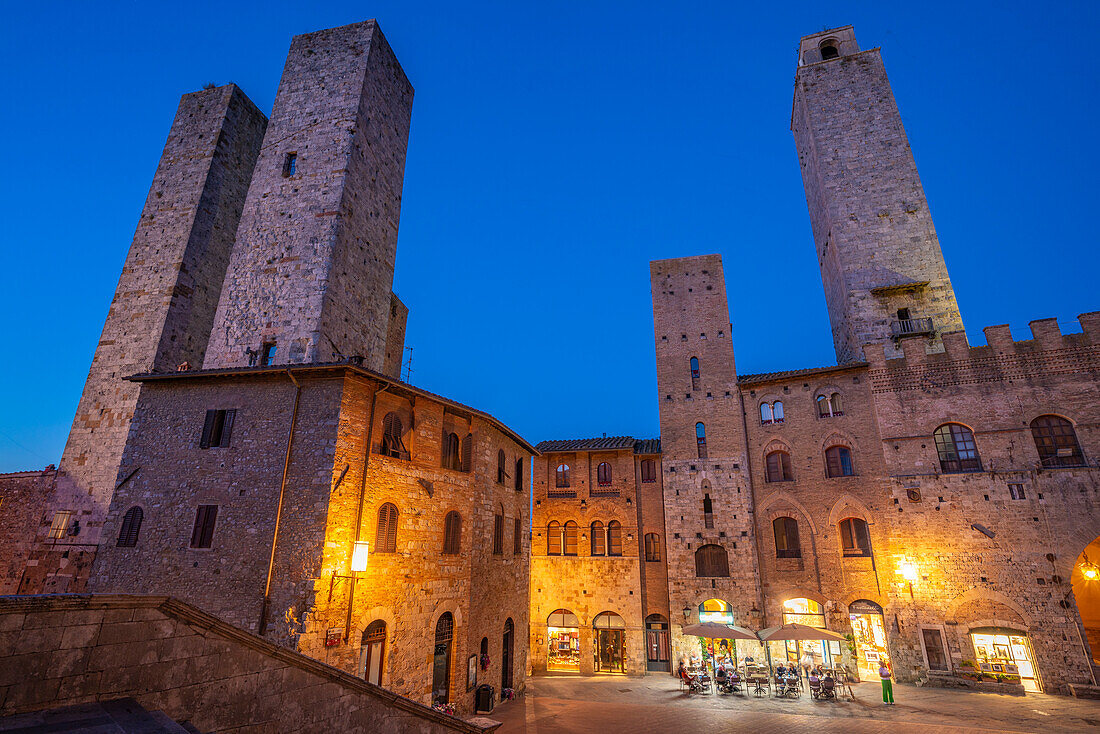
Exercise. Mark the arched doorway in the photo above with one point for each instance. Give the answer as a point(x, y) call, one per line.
point(869, 635)
point(506, 655)
point(1085, 580)
point(441, 659)
point(715, 610)
point(1005, 651)
point(810, 613)
point(373, 650)
point(563, 651)
point(610, 653)
point(656, 644)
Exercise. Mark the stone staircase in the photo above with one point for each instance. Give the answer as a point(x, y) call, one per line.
point(121, 716)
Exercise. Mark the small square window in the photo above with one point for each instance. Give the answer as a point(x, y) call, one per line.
point(290, 165)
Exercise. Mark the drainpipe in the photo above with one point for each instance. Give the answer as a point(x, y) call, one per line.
point(752, 510)
point(359, 508)
point(279, 512)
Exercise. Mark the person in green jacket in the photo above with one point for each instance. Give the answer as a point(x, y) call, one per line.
point(887, 685)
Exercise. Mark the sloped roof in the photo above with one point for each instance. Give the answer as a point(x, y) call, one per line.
point(785, 374)
point(605, 443)
point(647, 446)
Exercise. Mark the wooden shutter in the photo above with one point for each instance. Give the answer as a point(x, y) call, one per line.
point(131, 526)
point(614, 538)
point(468, 453)
point(203, 533)
point(517, 538)
point(498, 534)
point(207, 428)
point(553, 539)
point(598, 538)
point(832, 462)
point(452, 533)
point(227, 428)
point(570, 538)
point(385, 537)
point(519, 474)
point(501, 474)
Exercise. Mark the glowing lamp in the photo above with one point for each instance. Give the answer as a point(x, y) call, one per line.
point(1090, 572)
point(359, 555)
point(909, 572)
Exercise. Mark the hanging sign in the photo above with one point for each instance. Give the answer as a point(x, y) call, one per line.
point(332, 636)
point(864, 606)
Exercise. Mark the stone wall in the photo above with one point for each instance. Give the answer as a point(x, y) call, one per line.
point(871, 224)
point(63, 650)
point(314, 270)
point(23, 496)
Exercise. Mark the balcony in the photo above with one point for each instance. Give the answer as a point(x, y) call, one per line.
point(902, 328)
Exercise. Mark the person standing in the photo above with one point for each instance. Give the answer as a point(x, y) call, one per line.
point(806, 662)
point(887, 684)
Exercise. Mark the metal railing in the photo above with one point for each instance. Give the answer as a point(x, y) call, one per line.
point(911, 327)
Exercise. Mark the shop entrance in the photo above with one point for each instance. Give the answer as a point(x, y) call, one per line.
point(656, 644)
point(810, 613)
point(869, 631)
point(610, 653)
point(1007, 652)
point(373, 651)
point(563, 651)
point(1086, 592)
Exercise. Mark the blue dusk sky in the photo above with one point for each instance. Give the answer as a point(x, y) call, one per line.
point(555, 151)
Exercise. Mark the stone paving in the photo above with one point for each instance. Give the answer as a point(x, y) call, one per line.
point(639, 705)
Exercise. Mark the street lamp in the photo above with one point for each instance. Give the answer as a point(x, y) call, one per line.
point(909, 573)
point(359, 555)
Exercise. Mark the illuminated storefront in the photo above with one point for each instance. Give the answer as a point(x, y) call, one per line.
point(807, 612)
point(715, 610)
point(563, 651)
point(610, 648)
point(869, 633)
point(1005, 652)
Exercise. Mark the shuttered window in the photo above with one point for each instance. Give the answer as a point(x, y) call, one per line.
point(649, 470)
point(203, 534)
point(838, 462)
point(603, 474)
point(468, 453)
point(452, 533)
point(855, 540)
point(498, 535)
point(131, 527)
point(451, 459)
point(778, 467)
point(787, 544)
point(570, 539)
point(519, 474)
point(392, 432)
point(217, 428)
point(553, 539)
point(598, 539)
point(385, 537)
point(711, 561)
point(502, 475)
point(652, 547)
point(614, 538)
point(517, 538)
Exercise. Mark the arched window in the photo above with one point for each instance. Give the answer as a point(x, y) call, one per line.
point(649, 470)
point(829, 51)
point(711, 560)
point(519, 474)
point(603, 474)
point(1056, 441)
point(562, 476)
point(599, 546)
point(787, 544)
point(385, 538)
point(131, 527)
point(441, 659)
point(695, 368)
point(766, 416)
point(452, 533)
point(956, 448)
point(828, 406)
point(553, 539)
point(372, 651)
point(855, 538)
point(838, 462)
point(652, 547)
point(777, 466)
point(501, 473)
point(614, 538)
point(392, 445)
point(777, 411)
point(701, 440)
point(506, 647)
point(451, 458)
point(708, 512)
point(570, 539)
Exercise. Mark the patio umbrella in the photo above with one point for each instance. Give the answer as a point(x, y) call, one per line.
point(794, 631)
point(718, 631)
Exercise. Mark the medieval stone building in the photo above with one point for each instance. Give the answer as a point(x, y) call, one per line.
point(243, 442)
point(930, 499)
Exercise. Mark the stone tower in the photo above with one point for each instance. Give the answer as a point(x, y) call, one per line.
point(702, 444)
point(164, 304)
point(310, 279)
point(881, 263)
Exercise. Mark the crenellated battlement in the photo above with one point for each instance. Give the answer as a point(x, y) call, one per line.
point(1047, 352)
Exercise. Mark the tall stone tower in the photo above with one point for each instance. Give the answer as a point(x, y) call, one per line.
point(311, 276)
point(884, 274)
point(164, 304)
point(708, 498)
